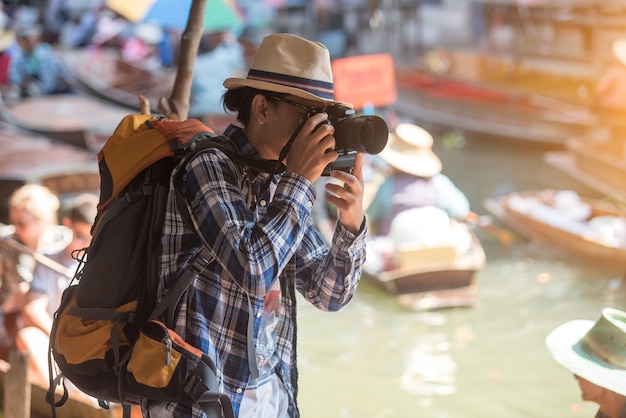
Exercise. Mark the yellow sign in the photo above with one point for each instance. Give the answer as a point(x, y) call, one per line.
point(365, 80)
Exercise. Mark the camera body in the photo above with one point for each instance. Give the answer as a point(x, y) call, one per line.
point(354, 134)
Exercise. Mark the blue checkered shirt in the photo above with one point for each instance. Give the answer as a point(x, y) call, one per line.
point(251, 250)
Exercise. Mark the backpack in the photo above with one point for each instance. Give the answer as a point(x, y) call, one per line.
point(107, 336)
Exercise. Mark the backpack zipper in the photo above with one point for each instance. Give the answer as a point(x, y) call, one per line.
point(168, 349)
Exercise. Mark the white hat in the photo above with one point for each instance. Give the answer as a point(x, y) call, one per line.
point(619, 50)
point(594, 351)
point(289, 64)
point(410, 150)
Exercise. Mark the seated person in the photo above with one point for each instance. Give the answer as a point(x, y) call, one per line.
point(33, 217)
point(415, 180)
point(34, 69)
point(46, 289)
point(415, 188)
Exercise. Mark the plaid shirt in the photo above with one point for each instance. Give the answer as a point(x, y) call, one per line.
point(252, 250)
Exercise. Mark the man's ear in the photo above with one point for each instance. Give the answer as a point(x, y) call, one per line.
point(258, 108)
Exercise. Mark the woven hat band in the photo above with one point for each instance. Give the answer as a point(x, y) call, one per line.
point(319, 88)
point(605, 340)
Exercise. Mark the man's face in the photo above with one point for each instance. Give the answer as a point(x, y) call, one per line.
point(28, 229)
point(589, 391)
point(293, 111)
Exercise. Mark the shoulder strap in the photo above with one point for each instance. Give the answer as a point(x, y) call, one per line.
point(212, 142)
point(201, 260)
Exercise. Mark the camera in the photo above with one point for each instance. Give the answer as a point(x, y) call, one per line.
point(354, 134)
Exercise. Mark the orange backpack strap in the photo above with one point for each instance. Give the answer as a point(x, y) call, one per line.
point(179, 133)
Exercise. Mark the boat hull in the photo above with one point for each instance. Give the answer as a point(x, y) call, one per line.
point(599, 165)
point(435, 277)
point(570, 243)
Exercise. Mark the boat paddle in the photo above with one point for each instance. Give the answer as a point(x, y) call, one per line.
point(485, 222)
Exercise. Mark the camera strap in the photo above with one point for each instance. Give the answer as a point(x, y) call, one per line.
point(280, 167)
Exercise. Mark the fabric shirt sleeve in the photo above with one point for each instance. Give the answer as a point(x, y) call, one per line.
point(450, 198)
point(254, 251)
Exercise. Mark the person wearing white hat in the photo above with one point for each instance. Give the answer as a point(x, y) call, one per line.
point(595, 352)
point(414, 203)
point(610, 89)
point(258, 228)
point(416, 180)
point(220, 55)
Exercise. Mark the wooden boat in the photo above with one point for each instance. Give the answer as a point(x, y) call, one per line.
point(30, 158)
point(71, 118)
point(599, 165)
point(575, 238)
point(103, 72)
point(433, 277)
point(482, 94)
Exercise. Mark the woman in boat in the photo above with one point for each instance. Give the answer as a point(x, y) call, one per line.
point(595, 353)
point(611, 87)
point(415, 180)
point(416, 195)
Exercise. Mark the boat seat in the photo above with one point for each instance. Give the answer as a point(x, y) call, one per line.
point(411, 255)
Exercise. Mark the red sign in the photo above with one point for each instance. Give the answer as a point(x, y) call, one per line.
point(365, 79)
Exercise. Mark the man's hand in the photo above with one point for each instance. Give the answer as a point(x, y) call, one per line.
point(348, 199)
point(313, 148)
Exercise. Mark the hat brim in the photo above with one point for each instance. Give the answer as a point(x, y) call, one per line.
point(235, 83)
point(420, 164)
point(564, 344)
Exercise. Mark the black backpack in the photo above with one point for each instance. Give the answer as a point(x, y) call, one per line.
point(107, 336)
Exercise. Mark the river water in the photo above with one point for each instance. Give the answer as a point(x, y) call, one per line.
point(377, 359)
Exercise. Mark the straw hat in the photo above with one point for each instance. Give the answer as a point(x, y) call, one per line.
point(619, 50)
point(594, 351)
point(409, 149)
point(289, 64)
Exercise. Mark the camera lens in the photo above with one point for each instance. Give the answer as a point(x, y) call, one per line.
point(362, 133)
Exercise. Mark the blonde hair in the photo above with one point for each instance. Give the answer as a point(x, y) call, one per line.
point(39, 201)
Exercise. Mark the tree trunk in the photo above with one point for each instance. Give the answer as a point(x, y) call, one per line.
point(177, 105)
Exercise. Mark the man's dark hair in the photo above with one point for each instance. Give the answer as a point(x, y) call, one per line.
point(239, 100)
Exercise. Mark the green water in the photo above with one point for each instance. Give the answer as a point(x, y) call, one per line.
point(375, 359)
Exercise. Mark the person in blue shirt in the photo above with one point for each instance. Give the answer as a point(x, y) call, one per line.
point(220, 56)
point(415, 202)
point(415, 180)
point(257, 228)
point(34, 69)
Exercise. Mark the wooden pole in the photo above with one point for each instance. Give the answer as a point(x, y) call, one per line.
point(17, 388)
point(177, 105)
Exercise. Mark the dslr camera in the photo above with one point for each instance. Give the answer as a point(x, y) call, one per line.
point(354, 134)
